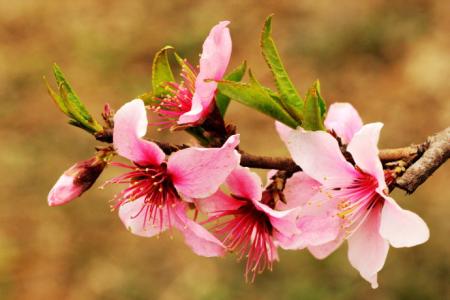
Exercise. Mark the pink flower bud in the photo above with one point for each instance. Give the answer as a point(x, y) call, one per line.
point(76, 180)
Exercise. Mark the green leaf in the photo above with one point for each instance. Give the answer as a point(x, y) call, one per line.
point(161, 72)
point(71, 96)
point(69, 103)
point(256, 96)
point(322, 104)
point(290, 98)
point(59, 102)
point(236, 75)
point(312, 114)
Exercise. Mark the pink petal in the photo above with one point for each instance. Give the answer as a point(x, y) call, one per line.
point(133, 216)
point(130, 125)
point(318, 154)
point(319, 230)
point(367, 249)
point(283, 131)
point(213, 63)
point(317, 221)
point(299, 189)
point(244, 183)
point(322, 251)
point(364, 150)
point(344, 120)
point(64, 191)
point(201, 241)
point(218, 203)
point(198, 172)
point(401, 227)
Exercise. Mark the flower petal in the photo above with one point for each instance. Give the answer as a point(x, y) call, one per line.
point(318, 154)
point(283, 131)
point(367, 249)
point(213, 63)
point(401, 227)
point(244, 183)
point(64, 191)
point(299, 189)
point(198, 172)
point(201, 241)
point(133, 216)
point(130, 125)
point(322, 251)
point(343, 119)
point(364, 150)
point(218, 203)
point(318, 230)
point(317, 221)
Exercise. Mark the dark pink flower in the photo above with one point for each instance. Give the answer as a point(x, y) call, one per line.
point(158, 190)
point(248, 222)
point(192, 100)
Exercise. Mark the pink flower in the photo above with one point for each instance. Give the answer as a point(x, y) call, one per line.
point(157, 192)
point(369, 218)
point(76, 180)
point(191, 101)
point(249, 223)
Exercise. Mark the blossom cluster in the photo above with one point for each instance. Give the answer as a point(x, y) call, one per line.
point(341, 192)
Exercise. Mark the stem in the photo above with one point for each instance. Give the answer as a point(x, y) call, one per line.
point(420, 160)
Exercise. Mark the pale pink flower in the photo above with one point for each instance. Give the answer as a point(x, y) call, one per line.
point(370, 219)
point(191, 101)
point(75, 181)
point(155, 199)
point(248, 221)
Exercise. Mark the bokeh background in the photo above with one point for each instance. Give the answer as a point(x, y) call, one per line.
point(391, 59)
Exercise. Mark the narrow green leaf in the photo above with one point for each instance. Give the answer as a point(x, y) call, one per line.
point(312, 114)
point(72, 97)
point(255, 96)
point(161, 72)
point(70, 103)
point(290, 98)
point(236, 75)
point(59, 102)
point(322, 104)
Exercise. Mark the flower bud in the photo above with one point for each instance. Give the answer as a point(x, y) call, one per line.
point(76, 180)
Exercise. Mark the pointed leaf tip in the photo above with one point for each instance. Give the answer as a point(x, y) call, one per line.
point(161, 72)
point(289, 96)
point(312, 112)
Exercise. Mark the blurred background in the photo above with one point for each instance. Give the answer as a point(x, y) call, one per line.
point(391, 59)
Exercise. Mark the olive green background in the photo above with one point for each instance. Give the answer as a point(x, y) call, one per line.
point(391, 59)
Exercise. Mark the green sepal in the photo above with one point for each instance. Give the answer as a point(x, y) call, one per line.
point(312, 113)
point(236, 75)
point(254, 95)
point(161, 72)
point(289, 96)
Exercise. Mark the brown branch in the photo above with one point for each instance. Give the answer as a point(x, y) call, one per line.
point(419, 160)
point(437, 152)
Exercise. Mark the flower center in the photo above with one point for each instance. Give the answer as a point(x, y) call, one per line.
point(357, 201)
point(249, 234)
point(178, 99)
point(153, 184)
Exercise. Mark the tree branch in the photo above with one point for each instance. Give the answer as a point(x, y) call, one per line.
point(437, 152)
point(419, 160)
